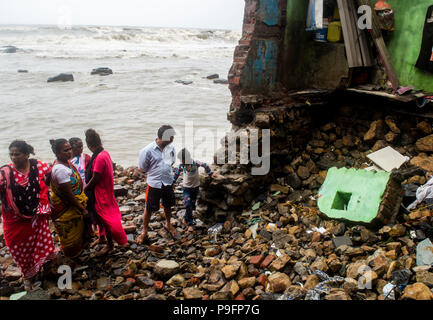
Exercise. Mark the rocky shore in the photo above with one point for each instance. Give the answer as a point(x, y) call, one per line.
point(276, 249)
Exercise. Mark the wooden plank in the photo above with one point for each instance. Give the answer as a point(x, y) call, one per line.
point(407, 98)
point(366, 55)
point(353, 26)
point(376, 34)
point(354, 58)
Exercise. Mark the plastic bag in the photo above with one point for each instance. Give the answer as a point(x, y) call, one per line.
point(215, 229)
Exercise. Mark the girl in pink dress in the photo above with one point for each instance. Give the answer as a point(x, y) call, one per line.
point(100, 185)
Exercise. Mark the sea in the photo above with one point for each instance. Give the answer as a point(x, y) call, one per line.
point(127, 107)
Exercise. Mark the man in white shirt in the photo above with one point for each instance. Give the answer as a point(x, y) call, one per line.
point(157, 159)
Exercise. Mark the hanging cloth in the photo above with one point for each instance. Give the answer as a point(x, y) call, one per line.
point(425, 60)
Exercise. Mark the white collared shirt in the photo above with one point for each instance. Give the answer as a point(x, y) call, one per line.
point(158, 164)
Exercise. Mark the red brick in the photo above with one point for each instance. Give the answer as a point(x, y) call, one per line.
point(132, 280)
point(256, 260)
point(240, 297)
point(268, 260)
point(129, 273)
point(156, 248)
point(194, 281)
point(263, 280)
point(158, 285)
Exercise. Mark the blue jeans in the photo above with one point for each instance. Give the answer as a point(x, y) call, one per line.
point(190, 198)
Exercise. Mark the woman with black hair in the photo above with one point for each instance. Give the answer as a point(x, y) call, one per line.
point(68, 200)
point(26, 211)
point(100, 189)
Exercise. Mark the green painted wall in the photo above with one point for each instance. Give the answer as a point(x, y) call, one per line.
point(306, 63)
point(404, 43)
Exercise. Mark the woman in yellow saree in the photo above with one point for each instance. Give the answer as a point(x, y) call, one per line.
point(68, 200)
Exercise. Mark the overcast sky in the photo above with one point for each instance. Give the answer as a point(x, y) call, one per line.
point(218, 14)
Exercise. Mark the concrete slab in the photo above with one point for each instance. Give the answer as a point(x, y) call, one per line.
point(387, 159)
point(353, 195)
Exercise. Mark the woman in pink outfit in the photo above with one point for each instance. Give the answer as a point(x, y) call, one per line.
point(100, 190)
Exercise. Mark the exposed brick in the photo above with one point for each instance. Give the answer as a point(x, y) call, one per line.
point(240, 297)
point(156, 248)
point(263, 280)
point(256, 260)
point(268, 260)
point(158, 285)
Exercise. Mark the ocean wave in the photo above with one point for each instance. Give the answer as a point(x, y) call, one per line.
point(32, 34)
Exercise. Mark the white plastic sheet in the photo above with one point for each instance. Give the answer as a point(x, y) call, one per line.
point(422, 193)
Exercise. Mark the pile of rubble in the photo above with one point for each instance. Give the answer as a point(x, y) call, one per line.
point(277, 249)
point(309, 137)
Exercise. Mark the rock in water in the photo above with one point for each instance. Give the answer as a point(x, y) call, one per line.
point(166, 268)
point(184, 82)
point(22, 71)
point(102, 71)
point(62, 77)
point(221, 81)
point(213, 76)
point(9, 49)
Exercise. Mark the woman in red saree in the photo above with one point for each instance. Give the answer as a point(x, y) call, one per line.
point(100, 190)
point(26, 211)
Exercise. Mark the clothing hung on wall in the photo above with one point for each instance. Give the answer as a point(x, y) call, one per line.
point(425, 60)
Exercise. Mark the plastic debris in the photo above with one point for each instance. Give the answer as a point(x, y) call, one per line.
point(389, 291)
point(254, 221)
point(256, 206)
point(323, 287)
point(253, 230)
point(17, 296)
point(215, 229)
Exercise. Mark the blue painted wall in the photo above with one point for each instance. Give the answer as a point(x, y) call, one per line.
point(260, 73)
point(269, 12)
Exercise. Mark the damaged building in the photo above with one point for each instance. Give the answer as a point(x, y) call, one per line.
point(331, 96)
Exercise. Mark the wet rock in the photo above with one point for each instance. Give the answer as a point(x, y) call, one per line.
point(417, 291)
point(376, 131)
point(425, 144)
point(213, 76)
point(425, 277)
point(221, 81)
point(279, 282)
point(192, 293)
point(166, 268)
point(184, 82)
point(9, 49)
point(12, 273)
point(247, 282)
point(62, 77)
point(103, 71)
point(177, 281)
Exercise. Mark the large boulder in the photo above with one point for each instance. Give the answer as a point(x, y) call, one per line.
point(62, 77)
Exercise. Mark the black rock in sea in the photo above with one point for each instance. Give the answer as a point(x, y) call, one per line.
point(9, 49)
point(184, 82)
point(221, 81)
point(22, 71)
point(102, 71)
point(213, 76)
point(62, 77)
